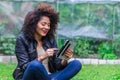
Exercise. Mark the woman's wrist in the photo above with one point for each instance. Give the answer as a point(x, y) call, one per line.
point(41, 58)
point(67, 59)
point(64, 62)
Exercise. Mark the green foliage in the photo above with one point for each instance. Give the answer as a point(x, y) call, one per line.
point(2, 26)
point(7, 44)
point(82, 48)
point(60, 42)
point(105, 51)
point(116, 46)
point(65, 13)
point(110, 56)
point(80, 12)
point(15, 31)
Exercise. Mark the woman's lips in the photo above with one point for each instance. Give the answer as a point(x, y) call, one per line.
point(45, 31)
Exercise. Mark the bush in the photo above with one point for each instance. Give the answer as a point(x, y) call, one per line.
point(7, 44)
point(116, 46)
point(105, 51)
point(82, 48)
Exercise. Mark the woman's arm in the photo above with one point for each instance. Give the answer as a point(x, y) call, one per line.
point(21, 53)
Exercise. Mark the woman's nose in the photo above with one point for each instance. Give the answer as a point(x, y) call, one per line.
point(47, 27)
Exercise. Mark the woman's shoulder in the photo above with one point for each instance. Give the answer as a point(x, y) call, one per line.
point(21, 36)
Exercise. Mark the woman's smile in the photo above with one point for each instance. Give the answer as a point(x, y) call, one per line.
point(43, 26)
point(45, 31)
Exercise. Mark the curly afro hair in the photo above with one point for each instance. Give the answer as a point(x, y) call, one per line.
point(32, 18)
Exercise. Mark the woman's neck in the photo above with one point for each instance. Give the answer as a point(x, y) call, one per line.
point(38, 38)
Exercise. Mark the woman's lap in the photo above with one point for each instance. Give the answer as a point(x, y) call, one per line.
point(40, 72)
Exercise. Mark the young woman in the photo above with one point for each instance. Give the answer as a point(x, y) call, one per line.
point(36, 48)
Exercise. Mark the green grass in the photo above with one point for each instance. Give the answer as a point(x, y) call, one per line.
point(99, 72)
point(6, 71)
point(88, 72)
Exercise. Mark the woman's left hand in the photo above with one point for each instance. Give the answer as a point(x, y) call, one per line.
point(69, 54)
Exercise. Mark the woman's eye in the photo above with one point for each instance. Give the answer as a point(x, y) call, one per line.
point(43, 24)
point(49, 25)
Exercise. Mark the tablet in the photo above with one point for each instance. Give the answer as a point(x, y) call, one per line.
point(63, 48)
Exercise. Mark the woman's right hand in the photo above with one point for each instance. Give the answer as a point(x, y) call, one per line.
point(49, 52)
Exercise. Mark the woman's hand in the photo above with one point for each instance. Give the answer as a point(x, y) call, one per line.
point(68, 54)
point(49, 52)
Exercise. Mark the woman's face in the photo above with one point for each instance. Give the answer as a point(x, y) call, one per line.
point(43, 26)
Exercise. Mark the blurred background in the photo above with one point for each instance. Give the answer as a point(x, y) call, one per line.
point(93, 26)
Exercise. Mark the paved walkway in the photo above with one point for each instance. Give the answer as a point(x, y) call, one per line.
point(6, 59)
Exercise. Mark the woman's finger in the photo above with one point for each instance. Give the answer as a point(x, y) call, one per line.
point(54, 49)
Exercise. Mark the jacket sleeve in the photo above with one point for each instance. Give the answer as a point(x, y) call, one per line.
point(21, 53)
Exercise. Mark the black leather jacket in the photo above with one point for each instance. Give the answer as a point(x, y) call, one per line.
point(26, 52)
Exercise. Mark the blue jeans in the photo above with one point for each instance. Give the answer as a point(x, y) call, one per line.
point(37, 71)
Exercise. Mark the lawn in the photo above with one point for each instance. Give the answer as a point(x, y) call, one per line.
point(6, 71)
point(99, 72)
point(88, 72)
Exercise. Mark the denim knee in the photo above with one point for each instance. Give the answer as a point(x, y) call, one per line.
point(35, 65)
point(77, 64)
